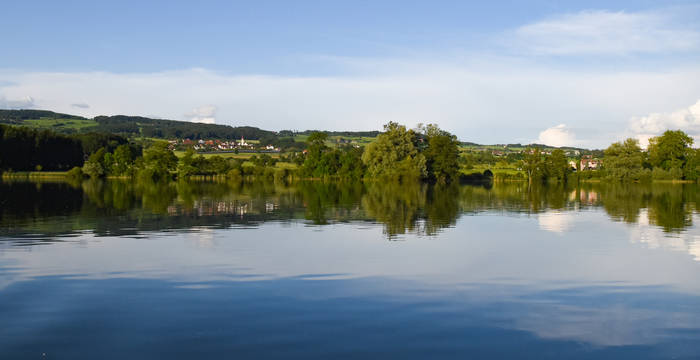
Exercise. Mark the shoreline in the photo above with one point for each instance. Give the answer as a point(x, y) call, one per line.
point(18, 175)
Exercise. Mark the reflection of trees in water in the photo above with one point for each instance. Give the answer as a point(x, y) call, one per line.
point(670, 206)
point(120, 195)
point(401, 208)
point(115, 206)
point(395, 205)
point(623, 201)
point(515, 197)
point(441, 208)
point(335, 201)
point(25, 207)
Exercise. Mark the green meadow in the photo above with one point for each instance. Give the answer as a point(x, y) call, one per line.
point(60, 124)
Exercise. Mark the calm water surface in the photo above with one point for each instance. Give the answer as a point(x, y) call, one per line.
point(115, 270)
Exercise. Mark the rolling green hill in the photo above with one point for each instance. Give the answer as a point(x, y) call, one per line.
point(130, 126)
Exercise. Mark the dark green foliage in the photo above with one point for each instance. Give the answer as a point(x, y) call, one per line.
point(189, 164)
point(192, 165)
point(322, 161)
point(170, 129)
point(17, 116)
point(95, 166)
point(123, 160)
point(691, 168)
point(624, 160)
point(669, 157)
point(476, 178)
point(263, 160)
point(533, 164)
point(75, 173)
point(289, 144)
point(441, 154)
point(557, 166)
point(350, 161)
point(158, 162)
point(477, 157)
point(669, 150)
point(289, 133)
point(395, 155)
point(91, 142)
point(313, 165)
point(23, 149)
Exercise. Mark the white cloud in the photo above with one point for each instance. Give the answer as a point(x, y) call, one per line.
point(606, 32)
point(203, 114)
point(686, 119)
point(26, 102)
point(653, 237)
point(557, 222)
point(557, 136)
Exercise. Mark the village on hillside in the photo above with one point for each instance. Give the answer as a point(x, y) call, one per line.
point(207, 146)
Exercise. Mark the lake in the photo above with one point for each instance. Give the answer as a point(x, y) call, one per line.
point(181, 270)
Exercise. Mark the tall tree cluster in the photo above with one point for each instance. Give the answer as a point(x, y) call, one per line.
point(406, 154)
point(540, 167)
point(669, 156)
point(26, 149)
point(624, 160)
point(323, 161)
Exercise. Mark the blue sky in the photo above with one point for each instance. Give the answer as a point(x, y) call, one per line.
point(559, 72)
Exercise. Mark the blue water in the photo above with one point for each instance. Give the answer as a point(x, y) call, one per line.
point(568, 283)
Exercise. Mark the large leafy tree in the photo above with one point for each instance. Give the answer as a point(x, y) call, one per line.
point(158, 161)
point(314, 163)
point(623, 160)
point(670, 150)
point(691, 168)
point(441, 154)
point(123, 160)
point(95, 166)
point(557, 166)
point(394, 155)
point(351, 165)
point(188, 164)
point(533, 164)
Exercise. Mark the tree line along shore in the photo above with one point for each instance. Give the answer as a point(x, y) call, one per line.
point(426, 153)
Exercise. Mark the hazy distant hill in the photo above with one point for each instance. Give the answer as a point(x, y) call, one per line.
point(517, 147)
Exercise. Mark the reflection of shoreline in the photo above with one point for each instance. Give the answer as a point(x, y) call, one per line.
point(401, 208)
point(210, 207)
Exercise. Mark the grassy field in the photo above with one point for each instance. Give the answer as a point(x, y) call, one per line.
point(34, 174)
point(279, 165)
point(58, 124)
point(333, 140)
point(496, 169)
point(227, 155)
